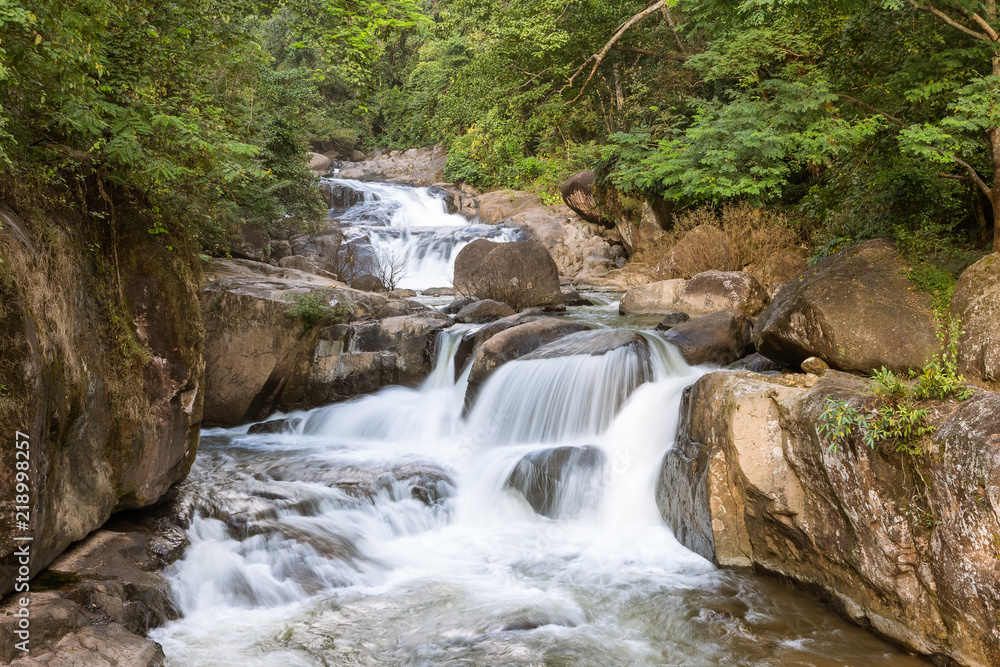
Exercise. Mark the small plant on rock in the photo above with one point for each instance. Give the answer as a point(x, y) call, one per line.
point(315, 307)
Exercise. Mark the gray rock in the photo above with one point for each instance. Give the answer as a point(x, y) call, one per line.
point(482, 312)
point(720, 338)
point(545, 477)
point(672, 320)
point(855, 310)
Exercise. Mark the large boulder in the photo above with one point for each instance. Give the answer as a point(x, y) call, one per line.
point(856, 311)
point(260, 358)
point(905, 545)
point(319, 163)
point(101, 372)
point(355, 359)
point(720, 338)
point(582, 255)
point(712, 291)
point(578, 193)
point(516, 342)
point(520, 274)
point(473, 339)
point(656, 298)
point(976, 305)
point(551, 480)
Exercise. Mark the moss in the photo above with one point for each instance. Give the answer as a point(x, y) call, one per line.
point(54, 580)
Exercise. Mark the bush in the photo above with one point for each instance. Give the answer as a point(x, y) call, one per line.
point(753, 235)
point(315, 307)
point(894, 418)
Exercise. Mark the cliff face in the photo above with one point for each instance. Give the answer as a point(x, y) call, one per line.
point(906, 545)
point(100, 366)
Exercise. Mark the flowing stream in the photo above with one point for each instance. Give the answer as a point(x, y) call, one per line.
point(412, 225)
point(383, 531)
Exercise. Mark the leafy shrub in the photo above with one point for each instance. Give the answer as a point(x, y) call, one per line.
point(894, 418)
point(315, 307)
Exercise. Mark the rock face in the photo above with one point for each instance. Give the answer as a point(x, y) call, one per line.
point(516, 342)
point(720, 338)
point(260, 358)
point(359, 358)
point(856, 311)
point(546, 478)
point(977, 306)
point(102, 372)
point(520, 274)
point(419, 167)
point(95, 603)
point(902, 544)
point(578, 193)
point(502, 204)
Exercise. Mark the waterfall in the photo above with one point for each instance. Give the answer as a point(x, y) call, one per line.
point(393, 530)
point(413, 224)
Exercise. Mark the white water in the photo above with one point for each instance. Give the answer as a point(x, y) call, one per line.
point(316, 547)
point(412, 223)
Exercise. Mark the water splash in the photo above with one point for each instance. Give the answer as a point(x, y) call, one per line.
point(412, 224)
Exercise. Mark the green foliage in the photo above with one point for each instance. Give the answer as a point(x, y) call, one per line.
point(894, 418)
point(940, 378)
point(316, 307)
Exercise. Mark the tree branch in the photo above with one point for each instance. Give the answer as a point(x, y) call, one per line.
point(954, 177)
point(952, 22)
point(670, 22)
point(973, 174)
point(607, 47)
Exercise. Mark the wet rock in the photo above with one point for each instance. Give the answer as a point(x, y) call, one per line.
point(273, 426)
point(482, 312)
point(720, 338)
point(516, 342)
point(111, 403)
point(902, 544)
point(520, 274)
point(594, 343)
point(543, 477)
point(417, 167)
point(976, 304)
point(439, 291)
point(473, 339)
point(455, 306)
point(757, 363)
point(573, 298)
point(672, 320)
point(856, 311)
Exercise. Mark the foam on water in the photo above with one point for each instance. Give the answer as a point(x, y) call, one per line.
point(413, 223)
point(383, 531)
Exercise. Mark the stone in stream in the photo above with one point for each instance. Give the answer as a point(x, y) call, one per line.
point(272, 426)
point(457, 305)
point(483, 312)
point(543, 477)
point(720, 338)
point(672, 320)
point(521, 274)
point(514, 343)
point(573, 298)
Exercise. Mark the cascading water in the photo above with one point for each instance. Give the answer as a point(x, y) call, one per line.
point(389, 530)
point(411, 224)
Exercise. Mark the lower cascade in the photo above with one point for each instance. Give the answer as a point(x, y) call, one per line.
point(407, 528)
